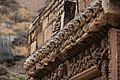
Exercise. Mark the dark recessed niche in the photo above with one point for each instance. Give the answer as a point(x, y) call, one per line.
point(69, 8)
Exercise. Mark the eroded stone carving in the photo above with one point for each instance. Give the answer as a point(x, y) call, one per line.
point(104, 70)
point(97, 7)
point(94, 56)
point(89, 14)
point(70, 33)
point(62, 70)
point(57, 25)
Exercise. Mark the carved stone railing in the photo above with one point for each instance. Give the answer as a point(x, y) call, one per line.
point(80, 30)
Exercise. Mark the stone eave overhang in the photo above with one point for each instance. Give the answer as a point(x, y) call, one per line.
point(80, 33)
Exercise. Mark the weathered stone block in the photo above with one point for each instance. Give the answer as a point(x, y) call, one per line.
point(111, 6)
point(48, 33)
point(112, 11)
point(40, 39)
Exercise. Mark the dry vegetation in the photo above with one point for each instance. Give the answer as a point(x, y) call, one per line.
point(18, 17)
point(21, 26)
point(5, 74)
point(6, 31)
point(15, 20)
point(22, 50)
point(23, 18)
point(4, 18)
point(25, 14)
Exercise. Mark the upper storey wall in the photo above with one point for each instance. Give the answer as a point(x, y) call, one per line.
point(53, 18)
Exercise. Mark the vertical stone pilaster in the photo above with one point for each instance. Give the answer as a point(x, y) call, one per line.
point(114, 38)
point(118, 47)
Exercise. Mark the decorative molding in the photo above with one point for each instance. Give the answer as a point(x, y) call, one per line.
point(92, 62)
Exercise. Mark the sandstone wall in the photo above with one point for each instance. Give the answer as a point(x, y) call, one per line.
point(51, 12)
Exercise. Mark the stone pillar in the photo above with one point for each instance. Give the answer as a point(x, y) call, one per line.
point(111, 6)
point(112, 11)
point(114, 38)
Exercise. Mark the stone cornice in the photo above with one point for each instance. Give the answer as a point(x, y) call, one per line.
point(78, 31)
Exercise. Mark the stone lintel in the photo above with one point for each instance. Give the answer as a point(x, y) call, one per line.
point(87, 74)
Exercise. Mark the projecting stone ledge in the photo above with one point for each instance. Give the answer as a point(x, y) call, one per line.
point(81, 30)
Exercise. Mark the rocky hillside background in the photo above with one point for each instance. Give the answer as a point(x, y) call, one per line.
point(14, 22)
point(15, 18)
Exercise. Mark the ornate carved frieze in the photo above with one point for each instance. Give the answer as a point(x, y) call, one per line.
point(96, 55)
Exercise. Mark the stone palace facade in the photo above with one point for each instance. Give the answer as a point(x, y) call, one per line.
point(75, 40)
